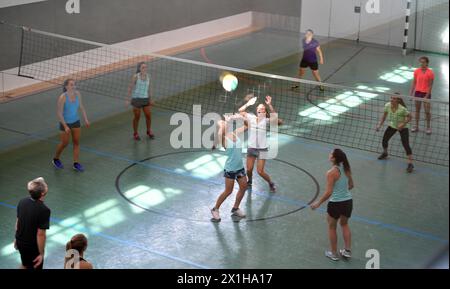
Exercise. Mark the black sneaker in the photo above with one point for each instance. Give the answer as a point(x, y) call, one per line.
point(383, 156)
point(410, 168)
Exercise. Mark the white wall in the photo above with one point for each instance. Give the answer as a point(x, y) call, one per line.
point(337, 18)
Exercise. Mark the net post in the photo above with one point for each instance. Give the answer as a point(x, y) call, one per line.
point(21, 50)
point(405, 35)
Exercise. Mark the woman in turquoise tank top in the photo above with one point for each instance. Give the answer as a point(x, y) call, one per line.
point(234, 166)
point(69, 123)
point(340, 206)
point(139, 94)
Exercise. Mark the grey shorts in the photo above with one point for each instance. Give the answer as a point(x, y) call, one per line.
point(140, 102)
point(257, 153)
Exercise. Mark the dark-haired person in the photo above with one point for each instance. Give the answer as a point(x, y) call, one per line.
point(33, 219)
point(399, 117)
point(421, 88)
point(69, 123)
point(257, 138)
point(139, 93)
point(311, 47)
point(79, 244)
point(340, 206)
point(234, 166)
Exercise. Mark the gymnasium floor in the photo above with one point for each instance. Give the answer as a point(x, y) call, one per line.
point(146, 205)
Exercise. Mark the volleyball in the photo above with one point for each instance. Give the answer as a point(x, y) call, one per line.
point(229, 82)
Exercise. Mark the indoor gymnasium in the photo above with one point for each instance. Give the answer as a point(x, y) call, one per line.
point(224, 134)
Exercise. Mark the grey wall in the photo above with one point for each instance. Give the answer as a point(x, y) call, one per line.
point(432, 21)
point(281, 7)
point(109, 21)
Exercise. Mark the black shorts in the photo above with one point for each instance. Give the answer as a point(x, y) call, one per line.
point(312, 65)
point(252, 152)
point(234, 175)
point(140, 102)
point(76, 124)
point(27, 255)
point(338, 209)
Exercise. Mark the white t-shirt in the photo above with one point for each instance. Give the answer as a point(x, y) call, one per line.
point(257, 131)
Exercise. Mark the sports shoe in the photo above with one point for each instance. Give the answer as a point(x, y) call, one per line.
point(236, 212)
point(321, 88)
point(273, 189)
point(57, 163)
point(136, 136)
point(345, 253)
point(428, 131)
point(150, 134)
point(383, 156)
point(78, 167)
point(410, 168)
point(294, 87)
point(215, 215)
point(332, 256)
point(415, 129)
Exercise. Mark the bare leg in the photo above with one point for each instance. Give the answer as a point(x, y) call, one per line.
point(137, 116)
point(260, 169)
point(148, 117)
point(418, 108)
point(427, 107)
point(76, 132)
point(250, 165)
point(229, 184)
point(242, 188)
point(332, 224)
point(346, 233)
point(64, 141)
point(316, 75)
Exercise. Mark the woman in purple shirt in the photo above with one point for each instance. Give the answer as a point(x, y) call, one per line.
point(311, 48)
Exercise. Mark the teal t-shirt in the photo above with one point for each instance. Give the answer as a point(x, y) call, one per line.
point(233, 151)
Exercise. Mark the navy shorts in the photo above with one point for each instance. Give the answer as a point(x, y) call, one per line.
point(140, 102)
point(76, 124)
point(252, 152)
point(312, 65)
point(420, 94)
point(234, 175)
point(338, 209)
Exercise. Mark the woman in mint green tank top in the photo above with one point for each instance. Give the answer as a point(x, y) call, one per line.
point(340, 206)
point(139, 97)
point(234, 165)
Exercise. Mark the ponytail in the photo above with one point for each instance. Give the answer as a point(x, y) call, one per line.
point(400, 100)
point(341, 158)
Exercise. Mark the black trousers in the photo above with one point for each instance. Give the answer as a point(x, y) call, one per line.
point(404, 135)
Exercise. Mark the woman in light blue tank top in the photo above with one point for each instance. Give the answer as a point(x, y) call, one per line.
point(69, 123)
point(234, 166)
point(340, 206)
point(139, 97)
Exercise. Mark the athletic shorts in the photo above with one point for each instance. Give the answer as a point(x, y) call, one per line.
point(27, 255)
point(421, 94)
point(140, 102)
point(312, 65)
point(338, 209)
point(253, 152)
point(234, 175)
point(76, 124)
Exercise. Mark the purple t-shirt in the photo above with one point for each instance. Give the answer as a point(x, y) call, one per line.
point(309, 50)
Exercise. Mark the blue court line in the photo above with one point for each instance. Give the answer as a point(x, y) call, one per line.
point(121, 241)
point(361, 219)
point(287, 200)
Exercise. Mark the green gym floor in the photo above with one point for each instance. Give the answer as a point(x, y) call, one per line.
point(146, 205)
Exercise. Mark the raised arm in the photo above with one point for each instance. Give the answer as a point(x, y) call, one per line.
point(83, 111)
point(273, 113)
point(250, 102)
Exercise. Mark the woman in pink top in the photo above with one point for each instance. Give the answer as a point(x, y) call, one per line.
point(421, 88)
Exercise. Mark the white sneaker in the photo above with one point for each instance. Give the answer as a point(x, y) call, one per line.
point(238, 213)
point(332, 256)
point(215, 215)
point(415, 129)
point(428, 131)
point(345, 253)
